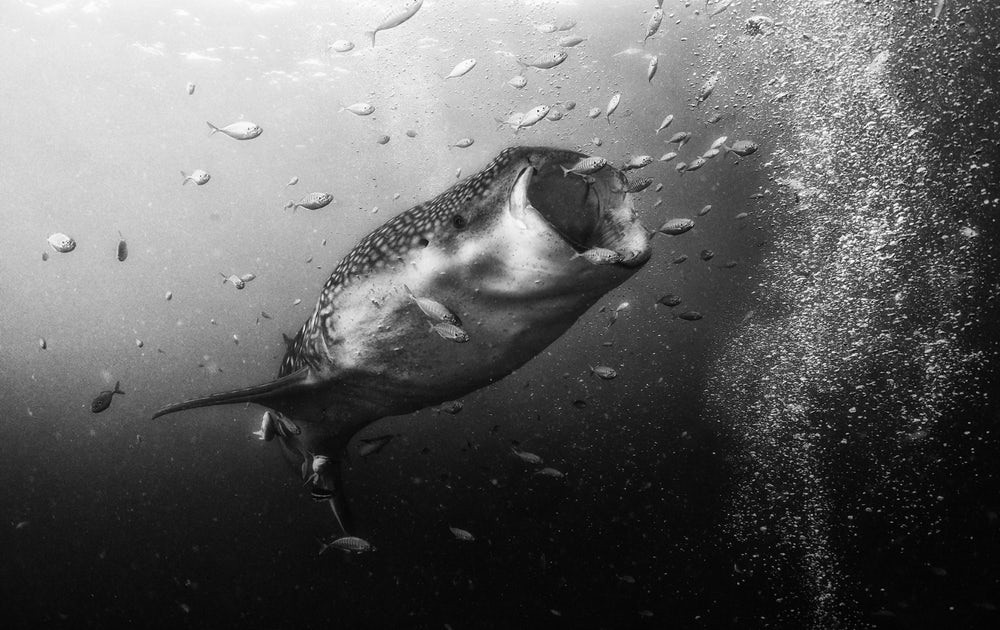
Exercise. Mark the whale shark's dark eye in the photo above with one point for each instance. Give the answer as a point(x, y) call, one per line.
point(458, 221)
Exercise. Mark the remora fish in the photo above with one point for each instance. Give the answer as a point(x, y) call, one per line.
point(482, 247)
point(396, 17)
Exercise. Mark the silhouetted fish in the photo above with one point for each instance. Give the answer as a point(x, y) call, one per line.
point(103, 400)
point(495, 247)
point(122, 248)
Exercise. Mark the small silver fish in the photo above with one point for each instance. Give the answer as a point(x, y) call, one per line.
point(721, 140)
point(585, 166)
point(676, 226)
point(232, 279)
point(604, 372)
point(464, 143)
point(526, 457)
point(651, 70)
point(599, 256)
point(359, 109)
point(594, 112)
point(705, 210)
point(312, 201)
point(169, 296)
point(670, 300)
point(247, 277)
point(654, 24)
point(42, 344)
point(190, 88)
point(696, 163)
point(518, 81)
point(616, 98)
point(61, 243)
point(681, 137)
point(666, 123)
point(341, 46)
point(395, 17)
point(463, 67)
point(565, 25)
point(532, 116)
point(669, 155)
point(451, 332)
point(243, 130)
point(546, 28)
point(461, 534)
point(267, 429)
point(349, 544)
point(550, 472)
point(433, 309)
point(638, 161)
point(680, 167)
point(294, 180)
point(711, 153)
point(691, 316)
point(197, 176)
point(742, 148)
point(571, 40)
point(545, 60)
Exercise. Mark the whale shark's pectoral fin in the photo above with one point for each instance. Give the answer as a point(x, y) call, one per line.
point(283, 387)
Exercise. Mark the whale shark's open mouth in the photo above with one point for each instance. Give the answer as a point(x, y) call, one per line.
point(587, 212)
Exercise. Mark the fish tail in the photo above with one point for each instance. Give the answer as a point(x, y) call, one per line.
point(212, 127)
point(565, 170)
point(118, 389)
point(371, 34)
point(186, 178)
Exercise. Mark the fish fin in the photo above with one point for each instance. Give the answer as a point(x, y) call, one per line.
point(565, 170)
point(118, 388)
point(186, 178)
point(371, 34)
point(277, 388)
point(213, 127)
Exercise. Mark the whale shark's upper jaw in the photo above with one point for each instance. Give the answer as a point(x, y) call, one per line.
point(586, 212)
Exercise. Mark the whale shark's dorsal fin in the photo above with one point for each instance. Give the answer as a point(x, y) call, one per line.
point(257, 393)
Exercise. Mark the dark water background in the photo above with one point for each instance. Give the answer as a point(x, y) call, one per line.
point(677, 475)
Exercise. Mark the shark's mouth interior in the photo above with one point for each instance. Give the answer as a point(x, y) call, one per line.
point(586, 211)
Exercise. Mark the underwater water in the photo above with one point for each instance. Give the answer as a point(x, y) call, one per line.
point(818, 450)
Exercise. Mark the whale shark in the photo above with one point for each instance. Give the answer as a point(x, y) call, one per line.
point(500, 250)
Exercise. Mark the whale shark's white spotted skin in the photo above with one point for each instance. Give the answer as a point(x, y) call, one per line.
point(497, 250)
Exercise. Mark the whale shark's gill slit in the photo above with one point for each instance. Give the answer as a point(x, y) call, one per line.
point(279, 388)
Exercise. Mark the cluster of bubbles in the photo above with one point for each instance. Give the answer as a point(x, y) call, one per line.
point(834, 400)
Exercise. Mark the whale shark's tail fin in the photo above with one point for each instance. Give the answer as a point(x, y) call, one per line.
point(278, 388)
